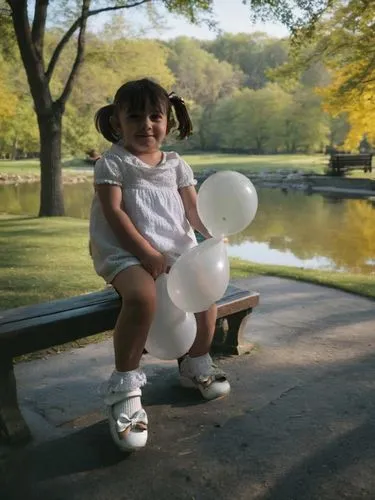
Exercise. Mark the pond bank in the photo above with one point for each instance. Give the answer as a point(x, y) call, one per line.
point(305, 181)
point(285, 179)
point(68, 178)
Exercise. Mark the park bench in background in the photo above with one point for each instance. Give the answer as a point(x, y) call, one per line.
point(28, 329)
point(340, 162)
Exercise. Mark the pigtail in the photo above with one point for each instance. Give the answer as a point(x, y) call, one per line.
point(103, 123)
point(185, 127)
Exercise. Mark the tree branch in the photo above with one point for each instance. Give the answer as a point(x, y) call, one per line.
point(79, 56)
point(39, 25)
point(30, 56)
point(65, 39)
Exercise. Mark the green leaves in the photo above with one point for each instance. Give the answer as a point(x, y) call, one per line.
point(268, 120)
point(294, 14)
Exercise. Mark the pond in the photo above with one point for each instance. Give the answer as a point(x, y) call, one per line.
point(294, 229)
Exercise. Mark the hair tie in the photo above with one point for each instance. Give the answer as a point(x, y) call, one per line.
point(174, 97)
point(185, 126)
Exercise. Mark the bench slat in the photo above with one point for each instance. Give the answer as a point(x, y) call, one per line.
point(94, 299)
point(56, 306)
point(27, 329)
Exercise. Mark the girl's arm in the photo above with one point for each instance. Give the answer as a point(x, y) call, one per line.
point(189, 200)
point(110, 197)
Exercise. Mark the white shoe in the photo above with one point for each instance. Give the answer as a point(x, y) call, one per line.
point(129, 432)
point(200, 373)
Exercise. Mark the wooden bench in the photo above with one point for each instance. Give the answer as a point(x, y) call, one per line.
point(340, 163)
point(28, 329)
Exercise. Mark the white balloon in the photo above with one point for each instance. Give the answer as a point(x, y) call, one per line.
point(173, 331)
point(227, 203)
point(200, 276)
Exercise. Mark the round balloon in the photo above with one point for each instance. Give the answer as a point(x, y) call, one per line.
point(172, 331)
point(200, 276)
point(227, 203)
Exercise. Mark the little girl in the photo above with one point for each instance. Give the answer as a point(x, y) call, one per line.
point(143, 216)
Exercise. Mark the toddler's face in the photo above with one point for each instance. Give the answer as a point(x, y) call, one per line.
point(143, 131)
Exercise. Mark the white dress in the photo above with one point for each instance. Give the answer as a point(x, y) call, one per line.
point(153, 203)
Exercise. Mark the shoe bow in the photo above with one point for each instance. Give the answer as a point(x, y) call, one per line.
point(139, 419)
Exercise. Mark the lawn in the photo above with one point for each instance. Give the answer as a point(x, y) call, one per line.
point(24, 167)
point(46, 259)
point(256, 163)
point(198, 162)
point(360, 284)
point(316, 163)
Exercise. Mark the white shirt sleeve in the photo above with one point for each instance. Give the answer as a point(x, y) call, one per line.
point(185, 175)
point(107, 171)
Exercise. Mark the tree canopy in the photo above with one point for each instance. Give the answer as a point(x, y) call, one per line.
point(342, 41)
point(229, 112)
point(346, 44)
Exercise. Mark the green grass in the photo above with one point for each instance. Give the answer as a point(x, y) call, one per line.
point(19, 167)
point(44, 259)
point(359, 284)
point(317, 163)
point(24, 167)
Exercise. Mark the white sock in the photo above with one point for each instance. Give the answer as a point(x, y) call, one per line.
point(122, 383)
point(128, 406)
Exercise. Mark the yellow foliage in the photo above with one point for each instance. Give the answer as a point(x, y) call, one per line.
point(357, 102)
point(345, 39)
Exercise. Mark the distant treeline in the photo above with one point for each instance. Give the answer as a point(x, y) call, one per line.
point(237, 102)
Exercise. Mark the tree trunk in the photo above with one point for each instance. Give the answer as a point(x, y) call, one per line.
point(202, 138)
point(51, 187)
point(259, 145)
point(13, 155)
point(203, 127)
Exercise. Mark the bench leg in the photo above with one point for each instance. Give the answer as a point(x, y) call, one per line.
point(228, 337)
point(13, 428)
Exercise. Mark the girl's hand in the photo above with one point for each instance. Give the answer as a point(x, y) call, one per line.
point(155, 263)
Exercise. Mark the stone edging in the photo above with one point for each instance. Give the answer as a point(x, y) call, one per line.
point(302, 180)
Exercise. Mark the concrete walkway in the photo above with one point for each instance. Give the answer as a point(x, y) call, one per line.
point(298, 425)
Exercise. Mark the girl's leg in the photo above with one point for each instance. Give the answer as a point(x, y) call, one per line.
point(206, 322)
point(196, 368)
point(127, 419)
point(137, 289)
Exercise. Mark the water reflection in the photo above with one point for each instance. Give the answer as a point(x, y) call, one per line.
point(310, 231)
point(290, 229)
point(262, 253)
point(24, 199)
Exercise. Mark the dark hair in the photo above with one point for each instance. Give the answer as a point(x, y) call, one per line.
point(138, 95)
